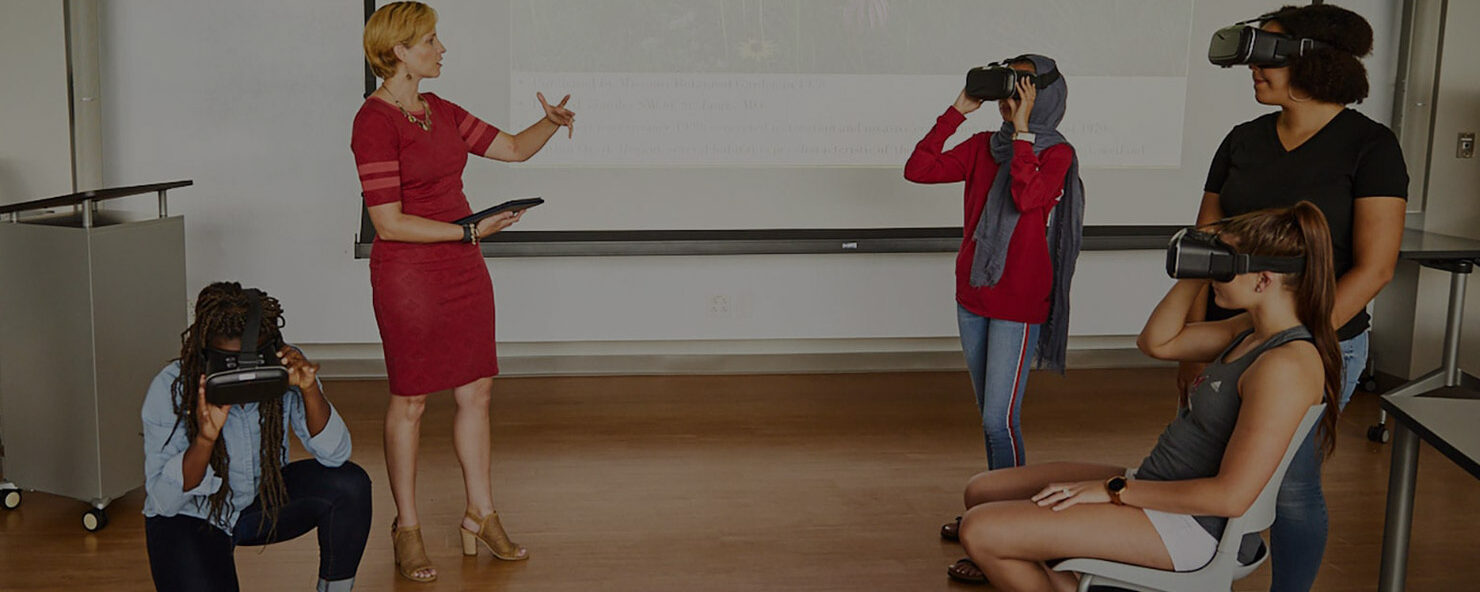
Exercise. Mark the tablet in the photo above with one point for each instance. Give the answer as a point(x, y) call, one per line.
point(513, 205)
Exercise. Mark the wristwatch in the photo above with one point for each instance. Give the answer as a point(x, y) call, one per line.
point(1116, 486)
point(1028, 137)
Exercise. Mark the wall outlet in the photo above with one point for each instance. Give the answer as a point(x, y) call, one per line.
point(1466, 147)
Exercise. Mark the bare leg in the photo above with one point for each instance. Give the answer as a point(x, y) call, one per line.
point(473, 441)
point(1020, 483)
point(1010, 540)
point(472, 438)
point(402, 440)
point(1061, 581)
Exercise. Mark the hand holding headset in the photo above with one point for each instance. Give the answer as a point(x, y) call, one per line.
point(252, 375)
point(997, 80)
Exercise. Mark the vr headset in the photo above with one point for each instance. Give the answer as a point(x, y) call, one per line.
point(1242, 43)
point(248, 376)
point(998, 81)
point(1194, 254)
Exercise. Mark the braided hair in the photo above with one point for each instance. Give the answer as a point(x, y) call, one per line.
point(221, 312)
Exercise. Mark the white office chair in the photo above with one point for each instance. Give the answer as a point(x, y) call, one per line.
point(1224, 568)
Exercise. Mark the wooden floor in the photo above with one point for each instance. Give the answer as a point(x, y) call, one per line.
point(812, 482)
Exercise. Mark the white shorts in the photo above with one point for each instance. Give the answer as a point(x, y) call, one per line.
point(1188, 543)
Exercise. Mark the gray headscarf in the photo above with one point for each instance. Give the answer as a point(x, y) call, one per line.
point(1065, 231)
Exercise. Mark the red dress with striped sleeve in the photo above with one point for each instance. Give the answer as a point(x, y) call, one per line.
point(433, 301)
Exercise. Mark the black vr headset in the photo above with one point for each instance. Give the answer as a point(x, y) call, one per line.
point(1242, 43)
point(247, 376)
point(1194, 254)
point(998, 81)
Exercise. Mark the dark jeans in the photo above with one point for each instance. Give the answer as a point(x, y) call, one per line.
point(1297, 540)
point(187, 553)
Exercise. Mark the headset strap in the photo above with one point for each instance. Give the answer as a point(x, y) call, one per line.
point(249, 355)
point(1307, 43)
point(1252, 263)
point(1039, 80)
point(1044, 80)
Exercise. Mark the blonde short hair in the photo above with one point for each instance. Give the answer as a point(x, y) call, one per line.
point(397, 23)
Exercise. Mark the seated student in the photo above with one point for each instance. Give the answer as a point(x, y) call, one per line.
point(1265, 369)
point(218, 476)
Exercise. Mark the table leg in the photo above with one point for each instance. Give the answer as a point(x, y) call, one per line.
point(1397, 528)
point(1454, 325)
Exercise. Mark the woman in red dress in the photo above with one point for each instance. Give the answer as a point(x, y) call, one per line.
point(432, 293)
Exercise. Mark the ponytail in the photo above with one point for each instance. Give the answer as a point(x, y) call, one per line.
point(1301, 231)
point(1315, 297)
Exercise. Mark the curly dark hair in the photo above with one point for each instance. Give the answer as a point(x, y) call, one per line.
point(221, 313)
point(1332, 74)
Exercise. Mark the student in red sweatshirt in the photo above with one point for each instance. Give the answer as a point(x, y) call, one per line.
point(1016, 259)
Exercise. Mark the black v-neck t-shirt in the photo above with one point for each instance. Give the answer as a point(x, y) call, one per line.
point(1352, 157)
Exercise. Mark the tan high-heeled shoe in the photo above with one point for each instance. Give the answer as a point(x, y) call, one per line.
point(411, 553)
point(491, 534)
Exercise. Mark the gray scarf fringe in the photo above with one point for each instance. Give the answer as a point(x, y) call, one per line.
point(1065, 230)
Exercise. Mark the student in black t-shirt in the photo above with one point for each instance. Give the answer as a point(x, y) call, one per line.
point(1315, 148)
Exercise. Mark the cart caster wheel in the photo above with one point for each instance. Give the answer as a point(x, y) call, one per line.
point(94, 520)
point(10, 499)
point(1379, 433)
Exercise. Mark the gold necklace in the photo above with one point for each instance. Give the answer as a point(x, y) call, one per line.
point(424, 124)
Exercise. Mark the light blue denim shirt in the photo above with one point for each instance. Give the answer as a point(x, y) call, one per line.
point(165, 444)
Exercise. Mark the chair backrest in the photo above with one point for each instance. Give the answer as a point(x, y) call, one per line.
point(1260, 515)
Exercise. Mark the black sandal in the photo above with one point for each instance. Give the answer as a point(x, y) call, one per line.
point(951, 531)
point(958, 571)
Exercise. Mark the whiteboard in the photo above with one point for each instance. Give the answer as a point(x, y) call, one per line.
point(787, 114)
point(836, 82)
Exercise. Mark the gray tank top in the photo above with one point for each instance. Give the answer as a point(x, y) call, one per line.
point(1192, 446)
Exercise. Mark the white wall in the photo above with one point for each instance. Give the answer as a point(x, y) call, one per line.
point(254, 100)
point(1453, 205)
point(35, 137)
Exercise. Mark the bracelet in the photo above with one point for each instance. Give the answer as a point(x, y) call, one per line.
point(468, 234)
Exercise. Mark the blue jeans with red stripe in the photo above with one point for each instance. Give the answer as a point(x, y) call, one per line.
point(998, 354)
